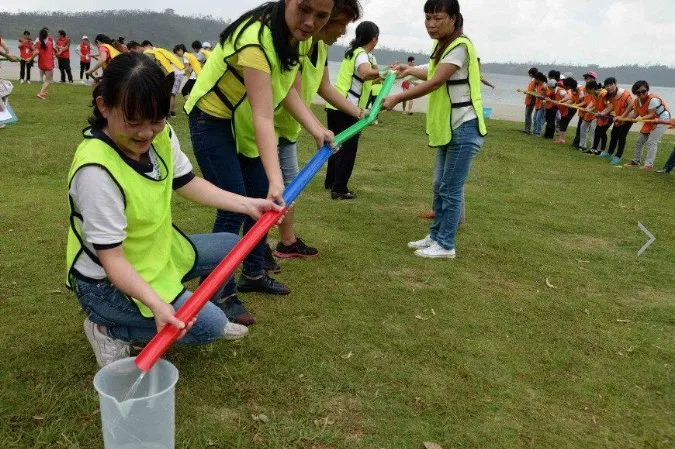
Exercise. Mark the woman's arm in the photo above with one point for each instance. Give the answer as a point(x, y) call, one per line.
point(443, 74)
point(367, 72)
point(126, 279)
point(259, 88)
point(332, 96)
point(419, 71)
point(300, 112)
point(203, 192)
point(486, 82)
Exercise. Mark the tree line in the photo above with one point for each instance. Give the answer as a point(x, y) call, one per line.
point(164, 29)
point(167, 29)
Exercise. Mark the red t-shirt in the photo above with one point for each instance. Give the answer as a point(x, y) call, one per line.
point(26, 48)
point(103, 54)
point(64, 43)
point(85, 51)
point(45, 54)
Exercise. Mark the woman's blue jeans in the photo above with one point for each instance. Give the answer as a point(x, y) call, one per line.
point(106, 305)
point(216, 153)
point(453, 162)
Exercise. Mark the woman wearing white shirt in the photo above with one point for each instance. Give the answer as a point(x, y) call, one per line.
point(455, 122)
point(355, 78)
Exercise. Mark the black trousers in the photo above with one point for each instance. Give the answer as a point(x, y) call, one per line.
point(577, 136)
point(670, 163)
point(25, 70)
point(550, 123)
point(600, 137)
point(84, 66)
point(618, 138)
point(341, 164)
point(64, 68)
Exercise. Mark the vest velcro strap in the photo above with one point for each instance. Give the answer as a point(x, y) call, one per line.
point(457, 82)
point(358, 78)
point(462, 104)
point(236, 74)
point(356, 94)
point(221, 96)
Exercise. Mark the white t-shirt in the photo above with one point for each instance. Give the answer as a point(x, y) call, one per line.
point(655, 103)
point(99, 201)
point(357, 86)
point(459, 93)
point(193, 75)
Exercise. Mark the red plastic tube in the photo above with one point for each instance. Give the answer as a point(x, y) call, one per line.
point(154, 350)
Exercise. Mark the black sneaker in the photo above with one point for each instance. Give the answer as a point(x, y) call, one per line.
point(587, 151)
point(342, 196)
point(235, 310)
point(271, 265)
point(263, 284)
point(297, 249)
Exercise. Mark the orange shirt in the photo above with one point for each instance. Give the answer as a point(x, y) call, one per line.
point(530, 88)
point(541, 90)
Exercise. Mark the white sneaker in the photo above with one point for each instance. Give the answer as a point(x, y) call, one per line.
point(27, 81)
point(21, 81)
point(234, 331)
point(426, 242)
point(106, 349)
point(436, 251)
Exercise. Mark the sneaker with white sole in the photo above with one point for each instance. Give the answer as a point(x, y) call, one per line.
point(426, 242)
point(436, 251)
point(234, 331)
point(106, 349)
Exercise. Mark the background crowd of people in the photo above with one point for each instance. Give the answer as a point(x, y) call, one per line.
point(552, 101)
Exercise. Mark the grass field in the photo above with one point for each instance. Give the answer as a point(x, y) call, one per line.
point(376, 348)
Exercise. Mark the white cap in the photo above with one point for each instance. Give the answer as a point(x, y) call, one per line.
point(84, 37)
point(206, 45)
point(552, 83)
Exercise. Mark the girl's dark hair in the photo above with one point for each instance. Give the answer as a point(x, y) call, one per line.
point(365, 32)
point(42, 36)
point(554, 74)
point(133, 45)
point(146, 43)
point(180, 47)
point(533, 71)
point(638, 85)
point(540, 77)
point(135, 83)
point(570, 83)
point(610, 80)
point(196, 45)
point(62, 33)
point(348, 8)
point(593, 85)
point(451, 7)
point(102, 38)
point(120, 40)
point(272, 14)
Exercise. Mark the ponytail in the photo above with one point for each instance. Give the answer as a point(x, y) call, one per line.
point(365, 32)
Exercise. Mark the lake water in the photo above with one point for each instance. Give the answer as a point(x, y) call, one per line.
point(505, 94)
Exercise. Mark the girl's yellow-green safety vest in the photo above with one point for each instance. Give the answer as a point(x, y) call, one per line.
point(259, 35)
point(345, 77)
point(439, 107)
point(157, 250)
point(285, 125)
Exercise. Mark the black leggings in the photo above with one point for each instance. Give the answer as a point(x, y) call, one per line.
point(550, 123)
point(341, 164)
point(618, 137)
point(565, 120)
point(84, 66)
point(25, 70)
point(64, 68)
point(601, 136)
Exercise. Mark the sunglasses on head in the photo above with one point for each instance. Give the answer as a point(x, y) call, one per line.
point(641, 91)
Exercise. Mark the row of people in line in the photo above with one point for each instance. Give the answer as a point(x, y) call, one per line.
point(600, 106)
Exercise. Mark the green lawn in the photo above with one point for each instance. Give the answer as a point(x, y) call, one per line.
point(376, 348)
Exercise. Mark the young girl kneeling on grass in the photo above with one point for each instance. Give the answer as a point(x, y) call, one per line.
point(126, 260)
point(455, 123)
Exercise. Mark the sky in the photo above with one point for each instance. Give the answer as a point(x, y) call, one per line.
point(606, 33)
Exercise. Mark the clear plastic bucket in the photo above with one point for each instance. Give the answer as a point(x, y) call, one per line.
point(144, 419)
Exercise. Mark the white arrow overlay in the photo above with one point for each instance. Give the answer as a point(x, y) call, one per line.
point(651, 238)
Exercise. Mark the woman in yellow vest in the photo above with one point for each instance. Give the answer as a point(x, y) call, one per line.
point(106, 52)
point(126, 261)
point(455, 123)
point(249, 74)
point(313, 79)
point(193, 67)
point(354, 82)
